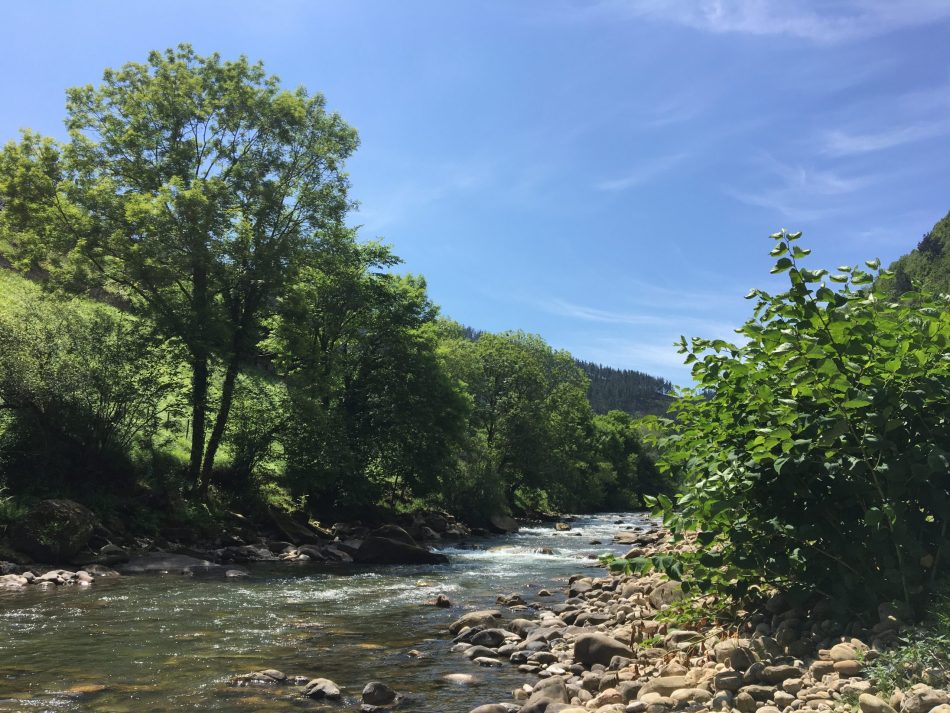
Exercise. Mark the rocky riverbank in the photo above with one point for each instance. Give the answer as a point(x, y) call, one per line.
point(62, 533)
point(614, 646)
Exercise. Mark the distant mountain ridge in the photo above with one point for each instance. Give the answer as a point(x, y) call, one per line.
point(635, 392)
point(627, 390)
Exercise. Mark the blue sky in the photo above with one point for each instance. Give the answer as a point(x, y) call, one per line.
point(603, 173)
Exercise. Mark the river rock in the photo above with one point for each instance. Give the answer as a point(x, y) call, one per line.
point(847, 669)
point(666, 593)
point(209, 569)
point(843, 652)
point(663, 686)
point(590, 649)
point(922, 698)
point(870, 703)
point(381, 549)
point(393, 532)
point(546, 692)
point(687, 695)
point(322, 688)
point(100, 570)
point(13, 581)
point(482, 618)
point(295, 531)
point(492, 638)
point(728, 681)
point(161, 563)
point(488, 661)
point(503, 524)
point(376, 693)
point(494, 708)
point(463, 679)
point(54, 530)
point(777, 674)
point(270, 677)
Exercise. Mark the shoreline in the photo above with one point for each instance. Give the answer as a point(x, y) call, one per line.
point(637, 644)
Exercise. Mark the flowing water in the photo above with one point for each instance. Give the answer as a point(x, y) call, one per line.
point(151, 643)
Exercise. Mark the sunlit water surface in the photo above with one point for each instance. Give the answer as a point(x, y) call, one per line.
point(153, 643)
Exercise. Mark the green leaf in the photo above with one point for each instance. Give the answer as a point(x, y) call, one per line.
point(781, 266)
point(779, 250)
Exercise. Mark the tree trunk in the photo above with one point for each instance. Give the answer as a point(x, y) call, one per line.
point(200, 355)
point(220, 421)
point(199, 408)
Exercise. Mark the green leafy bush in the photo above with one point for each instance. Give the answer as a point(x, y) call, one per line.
point(815, 451)
point(82, 386)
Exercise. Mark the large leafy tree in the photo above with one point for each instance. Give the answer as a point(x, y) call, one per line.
point(373, 414)
point(191, 187)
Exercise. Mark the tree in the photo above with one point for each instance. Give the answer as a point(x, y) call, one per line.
point(373, 414)
point(620, 447)
point(530, 427)
point(190, 186)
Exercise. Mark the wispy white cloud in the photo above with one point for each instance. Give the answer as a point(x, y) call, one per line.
point(825, 21)
point(841, 143)
point(801, 192)
point(405, 198)
point(643, 317)
point(643, 173)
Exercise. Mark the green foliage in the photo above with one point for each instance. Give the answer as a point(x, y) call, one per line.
point(371, 413)
point(84, 386)
point(253, 343)
point(814, 451)
point(620, 447)
point(927, 267)
point(616, 565)
point(530, 430)
point(190, 186)
point(922, 655)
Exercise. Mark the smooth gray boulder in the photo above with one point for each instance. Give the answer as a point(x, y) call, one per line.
point(383, 550)
point(590, 649)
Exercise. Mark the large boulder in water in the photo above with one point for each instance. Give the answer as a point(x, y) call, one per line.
point(296, 532)
point(54, 530)
point(393, 532)
point(380, 547)
point(503, 524)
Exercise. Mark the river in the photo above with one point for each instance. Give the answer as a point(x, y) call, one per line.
point(149, 643)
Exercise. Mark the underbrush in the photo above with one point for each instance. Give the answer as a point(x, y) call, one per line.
point(922, 655)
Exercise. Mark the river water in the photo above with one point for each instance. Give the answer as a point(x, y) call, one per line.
point(153, 643)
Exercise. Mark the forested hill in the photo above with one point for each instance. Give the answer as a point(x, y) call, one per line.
point(612, 389)
point(927, 266)
point(626, 390)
